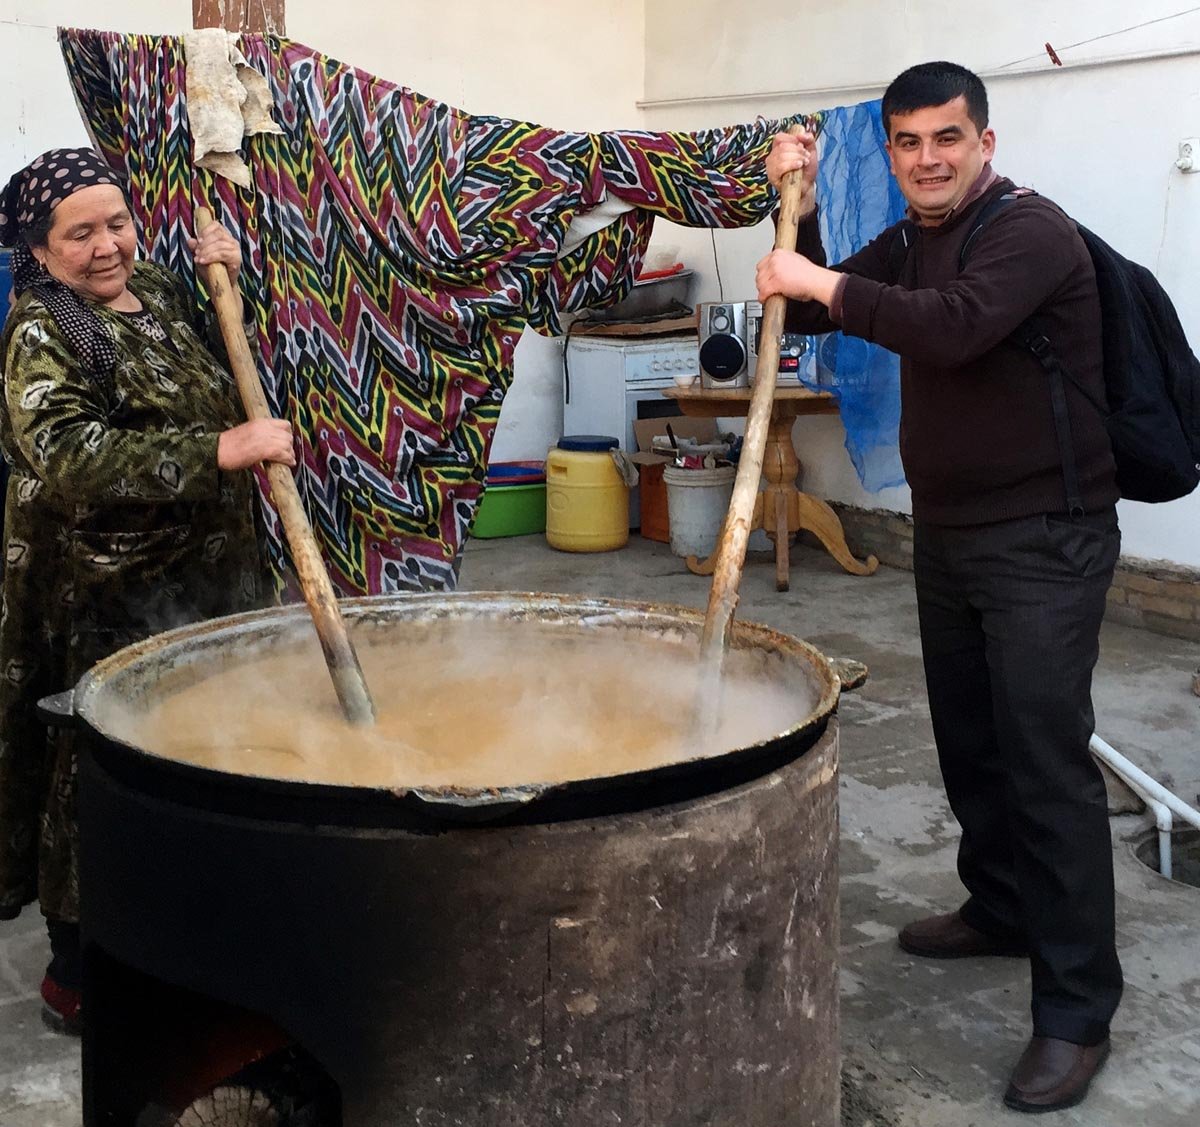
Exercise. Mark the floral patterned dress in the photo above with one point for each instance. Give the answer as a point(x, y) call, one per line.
point(118, 524)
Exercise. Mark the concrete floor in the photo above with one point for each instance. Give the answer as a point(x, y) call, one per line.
point(926, 1044)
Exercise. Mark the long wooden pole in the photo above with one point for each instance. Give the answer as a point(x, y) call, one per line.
point(723, 595)
point(340, 657)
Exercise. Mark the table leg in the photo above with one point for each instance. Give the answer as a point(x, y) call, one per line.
point(805, 512)
point(780, 469)
point(818, 518)
point(782, 538)
point(782, 510)
point(697, 566)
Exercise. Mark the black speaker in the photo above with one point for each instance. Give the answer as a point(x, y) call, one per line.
point(723, 348)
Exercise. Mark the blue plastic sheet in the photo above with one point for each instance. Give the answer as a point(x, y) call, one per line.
point(858, 199)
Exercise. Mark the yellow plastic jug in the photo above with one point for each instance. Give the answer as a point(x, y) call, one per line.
point(587, 500)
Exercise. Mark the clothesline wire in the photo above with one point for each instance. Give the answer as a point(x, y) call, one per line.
point(1106, 35)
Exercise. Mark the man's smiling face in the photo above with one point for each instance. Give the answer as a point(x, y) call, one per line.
point(937, 153)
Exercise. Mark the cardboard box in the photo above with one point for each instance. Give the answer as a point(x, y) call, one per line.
point(644, 430)
point(655, 519)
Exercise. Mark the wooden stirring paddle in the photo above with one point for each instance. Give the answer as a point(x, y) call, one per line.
point(340, 657)
point(723, 595)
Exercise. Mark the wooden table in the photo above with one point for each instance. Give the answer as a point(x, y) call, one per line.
point(781, 509)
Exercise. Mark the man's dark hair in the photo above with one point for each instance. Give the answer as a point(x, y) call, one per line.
point(935, 84)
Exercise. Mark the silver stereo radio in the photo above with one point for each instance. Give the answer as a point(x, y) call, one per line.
point(792, 346)
point(729, 332)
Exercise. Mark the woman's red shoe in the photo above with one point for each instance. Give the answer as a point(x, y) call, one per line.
point(61, 1009)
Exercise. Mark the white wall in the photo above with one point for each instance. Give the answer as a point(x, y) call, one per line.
point(1101, 141)
point(571, 64)
point(37, 108)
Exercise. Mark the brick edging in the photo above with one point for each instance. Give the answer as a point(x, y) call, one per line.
point(1156, 595)
point(1152, 594)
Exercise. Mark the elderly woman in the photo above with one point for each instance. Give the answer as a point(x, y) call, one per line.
point(130, 505)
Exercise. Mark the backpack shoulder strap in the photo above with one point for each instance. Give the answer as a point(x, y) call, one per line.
point(985, 216)
point(1030, 337)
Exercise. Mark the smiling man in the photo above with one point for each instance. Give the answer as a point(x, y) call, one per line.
point(1015, 541)
point(938, 155)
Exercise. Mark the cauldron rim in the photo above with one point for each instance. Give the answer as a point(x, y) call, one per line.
point(452, 805)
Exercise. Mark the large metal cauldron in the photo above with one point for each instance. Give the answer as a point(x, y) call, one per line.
point(653, 950)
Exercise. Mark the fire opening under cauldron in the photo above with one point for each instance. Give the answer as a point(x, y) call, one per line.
point(653, 945)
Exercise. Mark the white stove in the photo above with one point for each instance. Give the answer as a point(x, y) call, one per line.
point(611, 381)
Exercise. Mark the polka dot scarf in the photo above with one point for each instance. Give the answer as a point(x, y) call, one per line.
point(29, 197)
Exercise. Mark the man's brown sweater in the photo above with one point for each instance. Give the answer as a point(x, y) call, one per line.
point(977, 429)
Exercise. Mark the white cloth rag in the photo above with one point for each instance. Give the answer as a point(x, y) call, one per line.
point(227, 101)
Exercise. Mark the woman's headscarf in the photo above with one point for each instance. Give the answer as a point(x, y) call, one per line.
point(27, 200)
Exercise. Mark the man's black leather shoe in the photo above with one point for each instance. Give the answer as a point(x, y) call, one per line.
point(1053, 1074)
point(948, 937)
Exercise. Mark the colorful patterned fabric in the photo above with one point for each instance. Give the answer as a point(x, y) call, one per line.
point(401, 247)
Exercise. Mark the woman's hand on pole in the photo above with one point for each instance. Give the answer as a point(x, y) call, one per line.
point(260, 440)
point(216, 245)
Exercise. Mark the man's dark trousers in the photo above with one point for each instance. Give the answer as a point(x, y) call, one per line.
point(1010, 618)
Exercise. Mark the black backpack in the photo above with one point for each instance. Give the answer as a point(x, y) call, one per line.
point(1151, 376)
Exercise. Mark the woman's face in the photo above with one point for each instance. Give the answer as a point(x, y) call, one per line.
point(91, 243)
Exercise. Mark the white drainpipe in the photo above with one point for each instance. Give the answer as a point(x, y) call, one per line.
point(1166, 806)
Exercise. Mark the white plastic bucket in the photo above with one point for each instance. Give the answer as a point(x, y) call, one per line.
point(697, 501)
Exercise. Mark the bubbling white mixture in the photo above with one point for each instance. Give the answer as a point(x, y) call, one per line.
point(470, 704)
